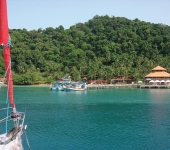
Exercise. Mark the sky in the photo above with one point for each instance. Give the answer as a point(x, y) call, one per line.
point(35, 14)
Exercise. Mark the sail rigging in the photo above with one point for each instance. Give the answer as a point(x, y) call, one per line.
point(11, 139)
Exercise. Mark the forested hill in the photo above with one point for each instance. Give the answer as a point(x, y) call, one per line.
point(104, 47)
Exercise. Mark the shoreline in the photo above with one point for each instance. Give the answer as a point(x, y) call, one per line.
point(40, 85)
point(101, 86)
point(88, 85)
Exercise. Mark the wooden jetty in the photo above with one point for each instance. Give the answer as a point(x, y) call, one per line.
point(154, 86)
point(109, 86)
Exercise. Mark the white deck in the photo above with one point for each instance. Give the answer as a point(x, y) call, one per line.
point(13, 145)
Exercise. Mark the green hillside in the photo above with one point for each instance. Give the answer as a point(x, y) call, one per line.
point(104, 47)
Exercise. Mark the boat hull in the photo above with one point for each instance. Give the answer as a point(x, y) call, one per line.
point(74, 89)
point(57, 88)
point(13, 144)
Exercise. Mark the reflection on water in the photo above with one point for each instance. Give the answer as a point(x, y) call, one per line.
point(159, 95)
point(159, 124)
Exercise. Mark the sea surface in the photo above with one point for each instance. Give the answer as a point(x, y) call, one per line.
point(103, 119)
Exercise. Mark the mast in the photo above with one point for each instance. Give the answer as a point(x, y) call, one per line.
point(5, 43)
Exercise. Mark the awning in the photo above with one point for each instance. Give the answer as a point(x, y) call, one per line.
point(157, 81)
point(151, 81)
point(167, 81)
point(162, 80)
point(148, 79)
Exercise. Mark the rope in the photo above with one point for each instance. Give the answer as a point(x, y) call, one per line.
point(27, 140)
point(4, 47)
point(5, 108)
point(7, 100)
point(2, 120)
point(8, 44)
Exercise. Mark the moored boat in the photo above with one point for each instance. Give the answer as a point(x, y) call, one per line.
point(76, 86)
point(56, 86)
point(60, 83)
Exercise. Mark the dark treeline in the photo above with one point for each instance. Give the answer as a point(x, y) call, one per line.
point(104, 47)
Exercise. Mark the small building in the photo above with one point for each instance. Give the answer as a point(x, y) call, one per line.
point(98, 81)
point(121, 79)
point(158, 76)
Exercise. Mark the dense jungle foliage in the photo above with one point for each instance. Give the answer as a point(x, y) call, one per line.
point(104, 47)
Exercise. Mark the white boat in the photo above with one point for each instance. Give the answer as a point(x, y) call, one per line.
point(76, 87)
point(60, 83)
point(10, 139)
point(56, 87)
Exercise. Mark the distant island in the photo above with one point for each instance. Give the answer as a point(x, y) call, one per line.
point(102, 48)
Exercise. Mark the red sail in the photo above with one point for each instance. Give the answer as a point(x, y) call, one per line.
point(4, 42)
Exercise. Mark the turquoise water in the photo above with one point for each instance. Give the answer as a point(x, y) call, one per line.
point(106, 119)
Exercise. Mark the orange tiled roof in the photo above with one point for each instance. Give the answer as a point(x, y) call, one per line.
point(159, 68)
point(158, 74)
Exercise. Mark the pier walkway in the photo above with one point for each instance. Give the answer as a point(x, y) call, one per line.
point(109, 86)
